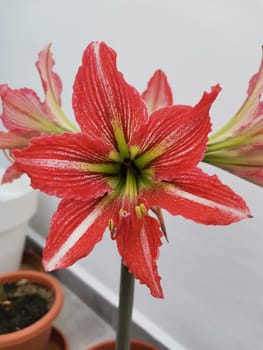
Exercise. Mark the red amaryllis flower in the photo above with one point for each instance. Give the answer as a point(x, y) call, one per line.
point(238, 146)
point(25, 116)
point(123, 163)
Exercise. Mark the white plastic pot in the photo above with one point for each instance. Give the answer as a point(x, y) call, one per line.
point(18, 203)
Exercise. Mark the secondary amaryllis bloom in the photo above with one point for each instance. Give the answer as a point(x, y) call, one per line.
point(158, 93)
point(25, 116)
point(123, 163)
point(238, 146)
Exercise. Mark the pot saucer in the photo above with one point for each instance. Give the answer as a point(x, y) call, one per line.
point(57, 340)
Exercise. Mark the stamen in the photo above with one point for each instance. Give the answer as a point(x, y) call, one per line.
point(143, 209)
point(157, 211)
point(111, 224)
point(123, 212)
point(112, 229)
point(140, 210)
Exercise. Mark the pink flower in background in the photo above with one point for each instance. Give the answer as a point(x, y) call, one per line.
point(25, 116)
point(130, 157)
point(238, 146)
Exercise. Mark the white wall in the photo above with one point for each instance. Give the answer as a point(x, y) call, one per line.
point(212, 277)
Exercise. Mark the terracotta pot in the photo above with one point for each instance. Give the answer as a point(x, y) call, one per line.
point(36, 336)
point(135, 345)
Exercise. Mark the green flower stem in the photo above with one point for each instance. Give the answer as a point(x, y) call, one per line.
point(126, 295)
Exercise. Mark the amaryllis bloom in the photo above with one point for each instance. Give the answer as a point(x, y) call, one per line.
point(122, 164)
point(25, 116)
point(238, 146)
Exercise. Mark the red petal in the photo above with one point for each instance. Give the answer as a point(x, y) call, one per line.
point(199, 197)
point(50, 80)
point(23, 112)
point(52, 86)
point(158, 93)
point(10, 174)
point(75, 228)
point(177, 136)
point(250, 173)
point(138, 243)
point(243, 161)
point(252, 106)
point(12, 140)
point(245, 117)
point(102, 100)
point(255, 87)
point(58, 165)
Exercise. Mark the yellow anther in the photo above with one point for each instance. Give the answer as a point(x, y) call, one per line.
point(112, 229)
point(111, 225)
point(140, 210)
point(122, 212)
point(143, 209)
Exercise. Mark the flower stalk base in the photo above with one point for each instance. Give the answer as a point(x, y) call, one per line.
point(126, 297)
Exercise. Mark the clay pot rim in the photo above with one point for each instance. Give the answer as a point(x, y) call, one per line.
point(133, 341)
point(46, 321)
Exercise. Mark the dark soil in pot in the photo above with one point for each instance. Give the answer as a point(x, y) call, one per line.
point(23, 303)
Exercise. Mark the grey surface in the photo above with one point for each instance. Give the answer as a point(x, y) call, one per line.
point(102, 307)
point(81, 326)
point(87, 317)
